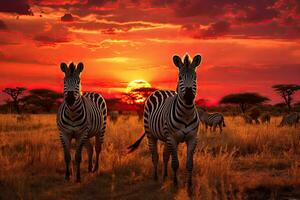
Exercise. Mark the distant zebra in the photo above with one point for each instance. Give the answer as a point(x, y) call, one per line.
point(23, 118)
point(265, 118)
point(114, 115)
point(172, 118)
point(211, 119)
point(80, 117)
point(247, 119)
point(290, 119)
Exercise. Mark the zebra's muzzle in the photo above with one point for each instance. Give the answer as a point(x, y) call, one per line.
point(70, 99)
point(189, 96)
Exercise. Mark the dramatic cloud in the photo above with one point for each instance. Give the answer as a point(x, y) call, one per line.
point(20, 7)
point(23, 59)
point(56, 34)
point(111, 27)
point(68, 17)
point(266, 74)
point(214, 30)
point(246, 45)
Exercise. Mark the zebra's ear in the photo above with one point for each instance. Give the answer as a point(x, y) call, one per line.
point(196, 61)
point(177, 61)
point(64, 67)
point(79, 68)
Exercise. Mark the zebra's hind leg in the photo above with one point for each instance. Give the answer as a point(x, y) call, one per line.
point(81, 141)
point(191, 146)
point(172, 148)
point(166, 157)
point(221, 129)
point(89, 149)
point(66, 146)
point(152, 143)
point(98, 147)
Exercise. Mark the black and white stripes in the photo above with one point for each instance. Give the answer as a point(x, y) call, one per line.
point(211, 119)
point(80, 117)
point(290, 119)
point(172, 118)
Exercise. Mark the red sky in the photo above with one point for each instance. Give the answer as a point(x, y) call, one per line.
point(245, 45)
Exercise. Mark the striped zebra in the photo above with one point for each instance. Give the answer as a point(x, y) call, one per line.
point(80, 117)
point(171, 117)
point(247, 118)
point(290, 119)
point(211, 119)
point(265, 118)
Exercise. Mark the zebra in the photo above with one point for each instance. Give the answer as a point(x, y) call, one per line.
point(211, 119)
point(114, 115)
point(265, 118)
point(290, 119)
point(254, 114)
point(80, 116)
point(247, 118)
point(172, 117)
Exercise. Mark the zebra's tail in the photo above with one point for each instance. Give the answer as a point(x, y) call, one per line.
point(224, 122)
point(135, 145)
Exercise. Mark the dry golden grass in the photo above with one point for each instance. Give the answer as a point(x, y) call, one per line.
point(245, 162)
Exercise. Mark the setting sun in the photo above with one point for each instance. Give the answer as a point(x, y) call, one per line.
point(137, 92)
point(136, 84)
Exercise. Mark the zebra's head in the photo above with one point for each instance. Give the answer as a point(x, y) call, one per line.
point(72, 85)
point(187, 80)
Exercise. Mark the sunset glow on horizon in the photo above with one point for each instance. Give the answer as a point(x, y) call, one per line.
point(245, 45)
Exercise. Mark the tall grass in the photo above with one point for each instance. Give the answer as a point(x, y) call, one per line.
point(233, 165)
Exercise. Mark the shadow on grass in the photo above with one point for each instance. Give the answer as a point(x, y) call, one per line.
point(107, 185)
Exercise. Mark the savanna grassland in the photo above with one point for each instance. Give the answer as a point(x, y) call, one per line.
point(245, 162)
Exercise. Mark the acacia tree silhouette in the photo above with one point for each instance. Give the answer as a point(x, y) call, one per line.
point(286, 91)
point(244, 100)
point(42, 99)
point(137, 97)
point(15, 93)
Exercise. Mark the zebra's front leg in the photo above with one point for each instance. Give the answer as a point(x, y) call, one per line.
point(214, 127)
point(172, 148)
point(89, 149)
point(81, 141)
point(191, 146)
point(98, 146)
point(65, 140)
point(152, 143)
point(166, 157)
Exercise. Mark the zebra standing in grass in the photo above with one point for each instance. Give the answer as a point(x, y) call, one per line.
point(211, 119)
point(80, 117)
point(265, 118)
point(172, 118)
point(248, 119)
point(290, 119)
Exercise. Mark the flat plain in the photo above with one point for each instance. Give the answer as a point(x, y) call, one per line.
point(244, 162)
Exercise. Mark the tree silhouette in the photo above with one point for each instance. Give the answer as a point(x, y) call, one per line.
point(244, 100)
point(42, 99)
point(138, 95)
point(286, 91)
point(15, 93)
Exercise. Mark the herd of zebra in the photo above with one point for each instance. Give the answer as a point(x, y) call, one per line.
point(169, 116)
